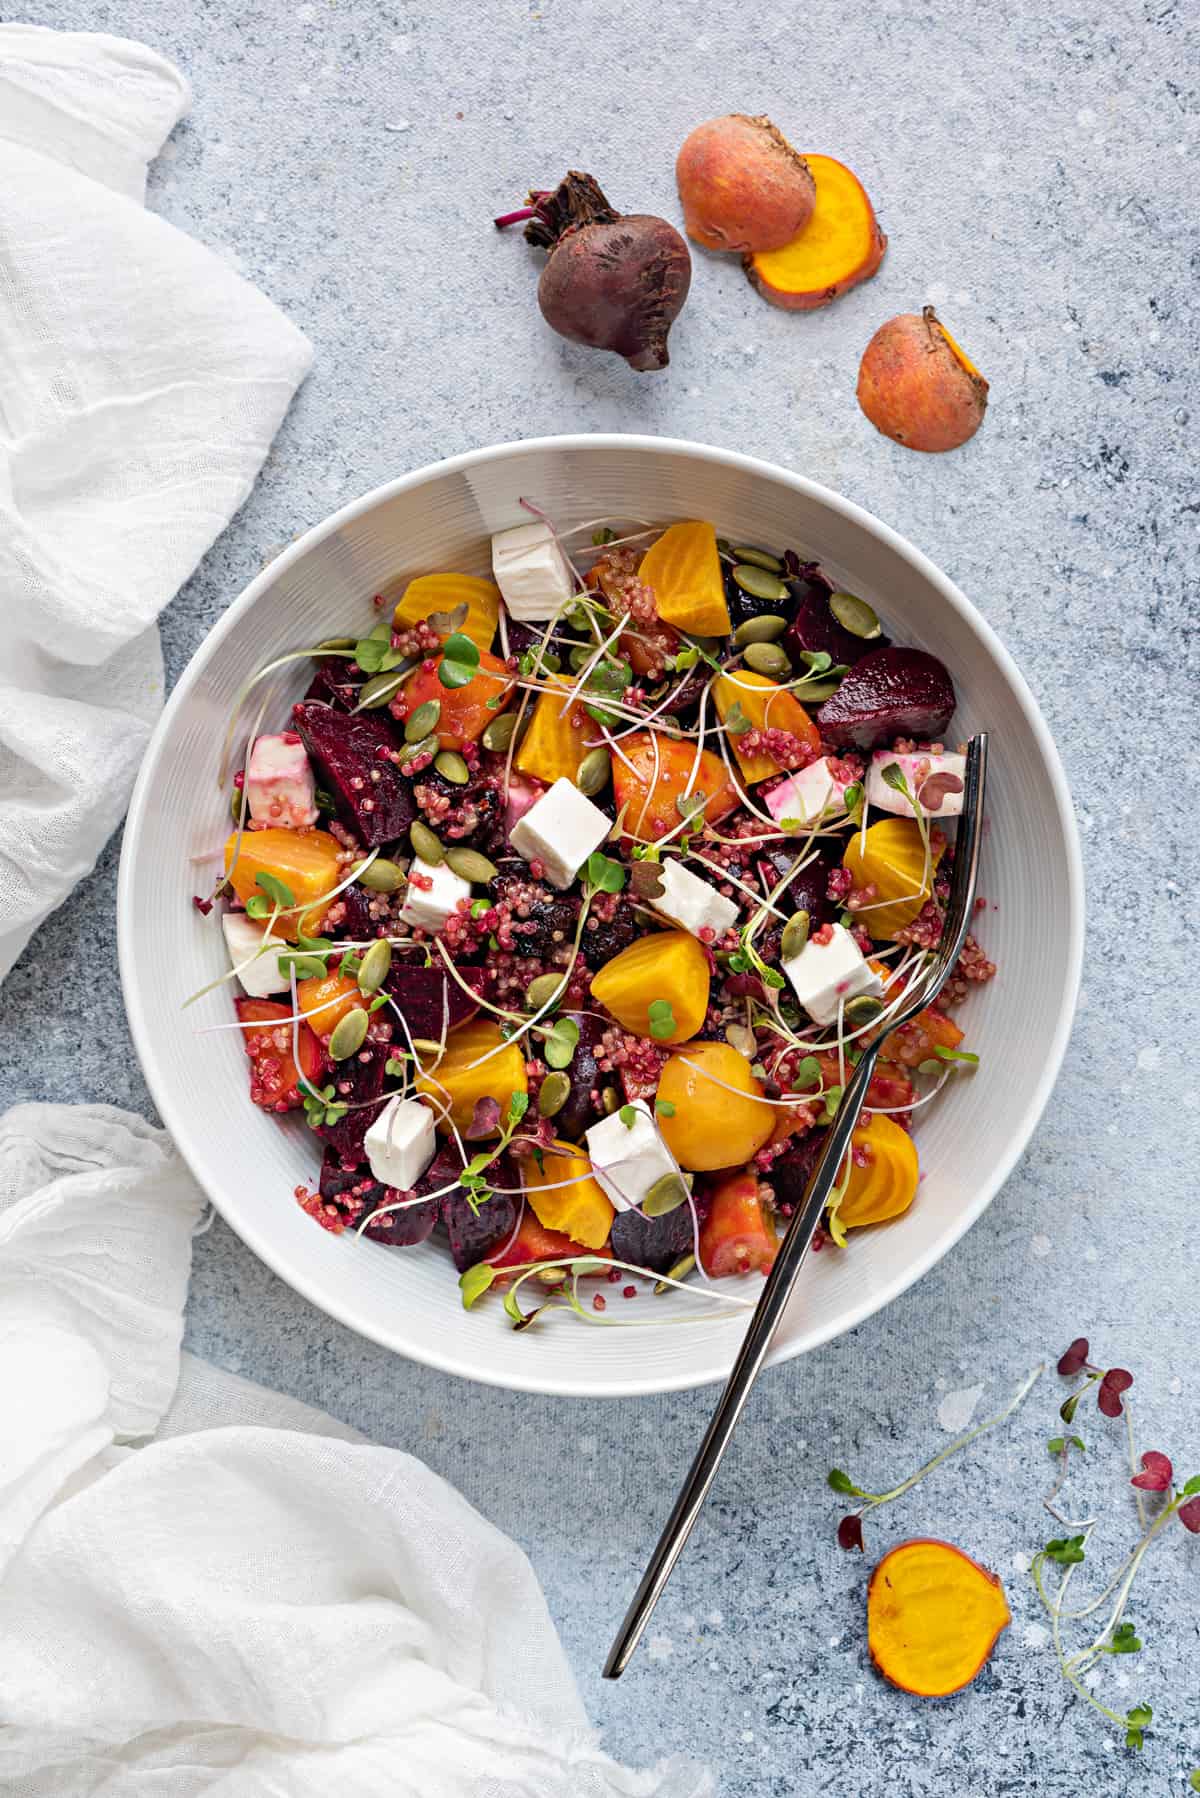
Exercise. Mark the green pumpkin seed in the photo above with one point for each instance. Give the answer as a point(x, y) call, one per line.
point(710, 645)
point(863, 1010)
point(235, 806)
point(667, 1194)
point(468, 864)
point(414, 752)
point(382, 876)
point(591, 776)
point(854, 614)
point(425, 844)
point(539, 992)
point(374, 967)
point(450, 765)
point(760, 583)
point(349, 1034)
point(767, 658)
point(499, 733)
point(382, 687)
point(795, 935)
point(758, 558)
point(763, 629)
point(611, 1100)
point(822, 689)
point(680, 1271)
point(553, 1094)
point(739, 1037)
point(723, 546)
point(334, 643)
point(426, 718)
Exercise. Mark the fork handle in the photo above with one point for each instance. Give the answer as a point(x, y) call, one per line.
point(767, 1313)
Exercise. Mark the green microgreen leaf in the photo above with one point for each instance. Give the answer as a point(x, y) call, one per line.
point(1069, 1407)
point(663, 1108)
point(276, 890)
point(963, 1055)
point(1137, 1720)
point(459, 662)
point(307, 967)
point(561, 1043)
point(1124, 1640)
point(1192, 1486)
point(518, 1105)
point(841, 1482)
point(1057, 1444)
point(662, 1019)
point(808, 1073)
point(475, 1282)
point(602, 535)
point(395, 1069)
point(736, 722)
point(628, 1116)
point(606, 875)
point(1066, 1550)
point(817, 661)
point(258, 907)
point(833, 1099)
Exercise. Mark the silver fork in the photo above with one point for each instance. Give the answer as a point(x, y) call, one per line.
point(919, 993)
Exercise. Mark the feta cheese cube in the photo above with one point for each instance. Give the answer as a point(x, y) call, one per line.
point(628, 1159)
point(917, 769)
point(244, 937)
point(400, 1143)
point(280, 787)
point(431, 895)
point(560, 830)
point(531, 572)
point(810, 794)
point(692, 903)
point(827, 974)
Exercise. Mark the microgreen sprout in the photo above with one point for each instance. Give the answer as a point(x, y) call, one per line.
point(459, 662)
point(661, 1019)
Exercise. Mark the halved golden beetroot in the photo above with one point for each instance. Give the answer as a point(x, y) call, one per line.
point(306, 861)
point(668, 968)
point(457, 1082)
point(768, 706)
point(556, 741)
point(579, 1210)
point(443, 593)
point(933, 1617)
point(840, 246)
point(684, 570)
point(711, 1125)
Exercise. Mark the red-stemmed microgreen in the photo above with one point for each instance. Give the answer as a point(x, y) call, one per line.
point(850, 1528)
point(563, 1275)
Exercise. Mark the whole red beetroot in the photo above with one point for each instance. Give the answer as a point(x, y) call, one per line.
point(613, 282)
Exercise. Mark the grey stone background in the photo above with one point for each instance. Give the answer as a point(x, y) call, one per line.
point(1036, 170)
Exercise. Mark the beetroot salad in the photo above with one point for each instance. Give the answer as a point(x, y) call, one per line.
point(564, 900)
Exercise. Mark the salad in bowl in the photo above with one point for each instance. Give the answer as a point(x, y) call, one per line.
point(562, 902)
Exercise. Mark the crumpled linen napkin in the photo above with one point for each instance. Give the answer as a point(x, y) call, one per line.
point(257, 1601)
point(143, 382)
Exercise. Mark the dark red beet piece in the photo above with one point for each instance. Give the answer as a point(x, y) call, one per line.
point(352, 756)
point(363, 1074)
point(656, 1243)
point(473, 1235)
point(790, 1175)
point(814, 627)
point(550, 920)
point(353, 1190)
point(586, 1078)
point(890, 693)
point(809, 891)
point(333, 685)
point(349, 916)
point(428, 995)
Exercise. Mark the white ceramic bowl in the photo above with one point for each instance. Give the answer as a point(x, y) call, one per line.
point(440, 518)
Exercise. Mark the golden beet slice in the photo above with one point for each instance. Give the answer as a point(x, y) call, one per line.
point(684, 570)
point(933, 1617)
point(840, 246)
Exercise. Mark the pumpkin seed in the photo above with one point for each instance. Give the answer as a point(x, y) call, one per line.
point(863, 1010)
point(349, 1034)
point(739, 1037)
point(759, 583)
point(553, 1094)
point(591, 776)
point(382, 876)
point(611, 1100)
point(499, 733)
point(425, 844)
point(667, 1194)
point(418, 724)
point(468, 864)
point(375, 967)
point(854, 614)
point(822, 689)
point(723, 546)
point(763, 629)
point(766, 658)
point(235, 805)
point(680, 1271)
point(414, 752)
point(450, 765)
point(758, 558)
point(539, 992)
point(334, 643)
point(382, 687)
point(795, 935)
point(711, 646)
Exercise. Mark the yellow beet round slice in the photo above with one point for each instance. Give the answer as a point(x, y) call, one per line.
point(669, 967)
point(443, 593)
point(458, 1084)
point(684, 570)
point(709, 1126)
point(580, 1211)
point(840, 246)
point(933, 1617)
point(892, 859)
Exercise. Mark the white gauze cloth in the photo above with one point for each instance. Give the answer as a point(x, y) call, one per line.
point(257, 1601)
point(141, 383)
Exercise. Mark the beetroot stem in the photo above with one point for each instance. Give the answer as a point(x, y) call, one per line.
point(514, 218)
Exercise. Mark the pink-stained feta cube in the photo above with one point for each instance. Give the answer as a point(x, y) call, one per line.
point(280, 788)
point(810, 794)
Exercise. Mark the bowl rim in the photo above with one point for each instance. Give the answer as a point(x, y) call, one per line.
point(171, 1111)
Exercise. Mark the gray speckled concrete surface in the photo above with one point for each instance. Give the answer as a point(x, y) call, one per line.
point(1036, 173)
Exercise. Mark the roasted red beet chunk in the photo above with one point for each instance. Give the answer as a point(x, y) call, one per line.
point(814, 627)
point(353, 755)
point(890, 693)
point(428, 996)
